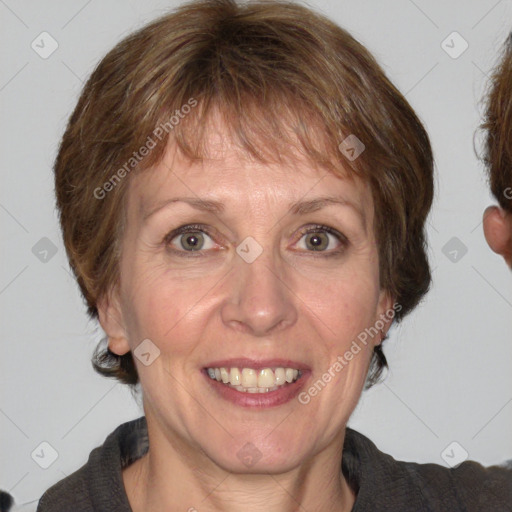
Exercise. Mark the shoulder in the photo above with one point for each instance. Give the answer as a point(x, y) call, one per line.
point(483, 488)
point(70, 493)
point(469, 486)
point(393, 484)
point(98, 484)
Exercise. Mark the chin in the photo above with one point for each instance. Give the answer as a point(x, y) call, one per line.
point(247, 452)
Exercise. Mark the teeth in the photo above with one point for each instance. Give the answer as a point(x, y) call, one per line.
point(254, 381)
point(259, 390)
point(280, 376)
point(234, 377)
point(224, 375)
point(249, 378)
point(266, 378)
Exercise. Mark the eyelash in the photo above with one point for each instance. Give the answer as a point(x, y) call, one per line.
point(193, 228)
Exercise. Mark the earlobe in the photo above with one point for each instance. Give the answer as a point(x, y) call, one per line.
point(111, 321)
point(498, 232)
point(386, 312)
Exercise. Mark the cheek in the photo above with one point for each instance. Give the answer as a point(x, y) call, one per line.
point(150, 305)
point(165, 308)
point(345, 305)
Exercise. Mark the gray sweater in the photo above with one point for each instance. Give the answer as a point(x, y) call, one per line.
point(382, 484)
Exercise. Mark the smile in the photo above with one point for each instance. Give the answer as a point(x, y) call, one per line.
point(250, 380)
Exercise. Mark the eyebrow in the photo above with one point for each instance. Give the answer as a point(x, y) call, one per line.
point(205, 205)
point(296, 208)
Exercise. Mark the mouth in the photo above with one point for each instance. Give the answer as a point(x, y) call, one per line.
point(250, 380)
point(257, 383)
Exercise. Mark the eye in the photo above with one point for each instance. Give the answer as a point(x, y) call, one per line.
point(321, 239)
point(190, 238)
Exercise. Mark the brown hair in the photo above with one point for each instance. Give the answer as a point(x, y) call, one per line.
point(498, 126)
point(272, 68)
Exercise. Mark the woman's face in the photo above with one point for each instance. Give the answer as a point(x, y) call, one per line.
point(277, 269)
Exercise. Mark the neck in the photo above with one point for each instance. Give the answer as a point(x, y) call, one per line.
point(175, 479)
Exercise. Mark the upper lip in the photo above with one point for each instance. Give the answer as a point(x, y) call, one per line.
point(257, 364)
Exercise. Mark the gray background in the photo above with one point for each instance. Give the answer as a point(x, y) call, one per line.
point(450, 378)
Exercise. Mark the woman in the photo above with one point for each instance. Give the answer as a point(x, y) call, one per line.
point(242, 195)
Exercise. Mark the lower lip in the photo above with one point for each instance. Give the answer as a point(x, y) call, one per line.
point(280, 396)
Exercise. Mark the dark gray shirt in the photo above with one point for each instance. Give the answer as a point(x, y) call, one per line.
point(382, 484)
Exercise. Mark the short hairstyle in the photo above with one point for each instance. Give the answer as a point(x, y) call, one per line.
point(497, 124)
point(271, 68)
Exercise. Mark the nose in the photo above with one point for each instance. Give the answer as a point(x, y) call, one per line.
point(260, 299)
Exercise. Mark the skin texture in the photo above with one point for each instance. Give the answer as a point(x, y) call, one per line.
point(498, 232)
point(291, 302)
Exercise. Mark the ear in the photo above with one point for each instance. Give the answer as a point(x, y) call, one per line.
point(498, 232)
point(111, 320)
point(386, 312)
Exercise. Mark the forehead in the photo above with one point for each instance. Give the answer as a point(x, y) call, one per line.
point(229, 175)
point(233, 180)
